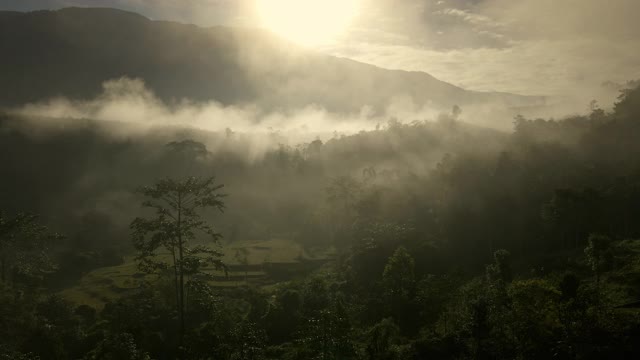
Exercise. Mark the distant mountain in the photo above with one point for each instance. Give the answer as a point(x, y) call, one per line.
point(71, 52)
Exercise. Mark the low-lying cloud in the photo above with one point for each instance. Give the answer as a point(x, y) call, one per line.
point(130, 101)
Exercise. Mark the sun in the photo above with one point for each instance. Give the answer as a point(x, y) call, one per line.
point(307, 22)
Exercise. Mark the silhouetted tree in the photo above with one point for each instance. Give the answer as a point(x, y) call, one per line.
point(177, 205)
point(242, 256)
point(500, 270)
point(117, 347)
point(598, 254)
point(381, 341)
point(398, 280)
point(24, 247)
point(342, 195)
point(398, 277)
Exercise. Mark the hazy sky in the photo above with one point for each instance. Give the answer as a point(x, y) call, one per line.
point(522, 46)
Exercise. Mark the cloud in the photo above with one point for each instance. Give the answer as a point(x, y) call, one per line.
point(551, 47)
point(596, 19)
point(525, 46)
point(434, 24)
point(128, 100)
point(467, 16)
point(561, 68)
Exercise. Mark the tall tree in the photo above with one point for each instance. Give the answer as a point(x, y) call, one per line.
point(24, 245)
point(173, 230)
point(598, 252)
point(242, 256)
point(398, 276)
point(500, 270)
point(342, 196)
point(398, 280)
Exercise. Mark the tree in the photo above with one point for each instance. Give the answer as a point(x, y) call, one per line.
point(398, 276)
point(242, 256)
point(573, 214)
point(381, 341)
point(628, 105)
point(598, 254)
point(342, 195)
point(326, 335)
point(534, 317)
point(24, 245)
point(185, 157)
point(398, 280)
point(117, 347)
point(248, 342)
point(284, 316)
point(500, 270)
point(173, 228)
point(569, 285)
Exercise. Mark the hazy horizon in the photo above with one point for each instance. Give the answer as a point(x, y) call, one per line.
point(524, 47)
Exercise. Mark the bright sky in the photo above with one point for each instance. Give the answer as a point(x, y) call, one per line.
point(308, 22)
point(524, 46)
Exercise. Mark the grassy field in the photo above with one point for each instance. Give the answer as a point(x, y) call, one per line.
point(101, 285)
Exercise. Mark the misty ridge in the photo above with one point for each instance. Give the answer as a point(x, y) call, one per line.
point(129, 101)
point(175, 62)
point(169, 191)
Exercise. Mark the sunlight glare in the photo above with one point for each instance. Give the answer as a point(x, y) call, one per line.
point(307, 22)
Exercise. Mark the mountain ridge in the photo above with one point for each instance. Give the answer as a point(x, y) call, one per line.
point(84, 47)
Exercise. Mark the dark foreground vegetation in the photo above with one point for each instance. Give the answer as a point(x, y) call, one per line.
point(447, 241)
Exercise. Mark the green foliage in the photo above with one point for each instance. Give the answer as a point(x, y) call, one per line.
point(315, 295)
point(573, 214)
point(284, 316)
point(24, 248)
point(500, 270)
point(117, 347)
point(628, 105)
point(382, 341)
point(598, 253)
point(6, 354)
point(398, 276)
point(249, 342)
point(411, 240)
point(569, 286)
point(17, 321)
point(177, 206)
point(342, 195)
point(433, 294)
point(375, 243)
point(327, 335)
point(534, 317)
point(176, 223)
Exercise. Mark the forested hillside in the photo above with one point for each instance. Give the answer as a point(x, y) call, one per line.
point(431, 239)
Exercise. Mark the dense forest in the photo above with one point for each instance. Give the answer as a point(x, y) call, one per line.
point(433, 239)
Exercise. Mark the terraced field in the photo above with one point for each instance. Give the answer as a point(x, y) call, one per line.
point(257, 263)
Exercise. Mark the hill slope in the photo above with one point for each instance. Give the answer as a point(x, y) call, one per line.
point(70, 52)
